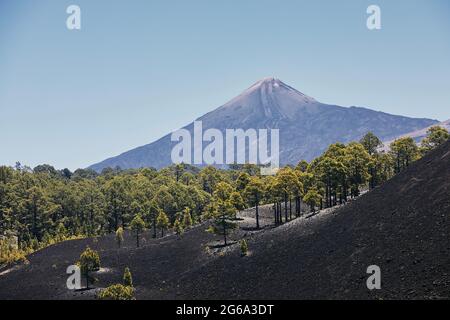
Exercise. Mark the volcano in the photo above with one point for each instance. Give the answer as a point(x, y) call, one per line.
point(306, 126)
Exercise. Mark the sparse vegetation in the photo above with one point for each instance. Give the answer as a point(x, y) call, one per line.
point(222, 211)
point(9, 254)
point(127, 278)
point(119, 236)
point(89, 262)
point(244, 247)
point(187, 218)
point(178, 227)
point(137, 226)
point(162, 222)
point(436, 136)
point(117, 292)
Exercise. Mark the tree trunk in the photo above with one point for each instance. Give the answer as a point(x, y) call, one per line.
point(280, 215)
point(137, 239)
point(257, 215)
point(224, 231)
point(285, 207)
point(275, 214)
point(290, 208)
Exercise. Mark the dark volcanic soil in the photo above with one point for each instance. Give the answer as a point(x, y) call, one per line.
point(403, 227)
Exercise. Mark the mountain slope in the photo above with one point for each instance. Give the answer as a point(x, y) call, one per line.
point(417, 135)
point(306, 126)
point(403, 227)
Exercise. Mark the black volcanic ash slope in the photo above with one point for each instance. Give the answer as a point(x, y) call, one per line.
point(403, 227)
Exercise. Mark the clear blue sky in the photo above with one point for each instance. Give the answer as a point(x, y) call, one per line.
point(140, 69)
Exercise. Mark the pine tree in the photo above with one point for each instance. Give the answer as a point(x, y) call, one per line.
point(223, 214)
point(61, 232)
point(162, 222)
point(119, 237)
point(178, 227)
point(237, 201)
point(138, 226)
point(117, 292)
point(312, 198)
point(89, 262)
point(127, 278)
point(436, 136)
point(187, 218)
point(153, 211)
point(371, 143)
point(254, 192)
point(404, 151)
point(244, 247)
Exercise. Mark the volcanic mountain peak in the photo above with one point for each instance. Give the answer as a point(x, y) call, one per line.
point(307, 127)
point(270, 98)
point(273, 86)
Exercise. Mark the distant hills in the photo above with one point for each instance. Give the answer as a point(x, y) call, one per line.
point(418, 135)
point(306, 126)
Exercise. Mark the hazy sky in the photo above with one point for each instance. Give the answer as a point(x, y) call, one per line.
point(139, 69)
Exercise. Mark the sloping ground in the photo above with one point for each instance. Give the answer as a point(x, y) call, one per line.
point(44, 277)
point(417, 135)
point(403, 227)
point(157, 263)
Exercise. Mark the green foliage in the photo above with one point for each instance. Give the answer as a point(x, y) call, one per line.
point(223, 191)
point(436, 136)
point(187, 218)
point(9, 253)
point(242, 181)
point(244, 247)
point(302, 166)
point(117, 292)
point(119, 236)
point(254, 193)
point(137, 225)
point(61, 231)
point(237, 201)
point(404, 151)
point(43, 206)
point(222, 211)
point(127, 278)
point(371, 143)
point(209, 177)
point(162, 221)
point(357, 164)
point(312, 198)
point(89, 261)
point(178, 227)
